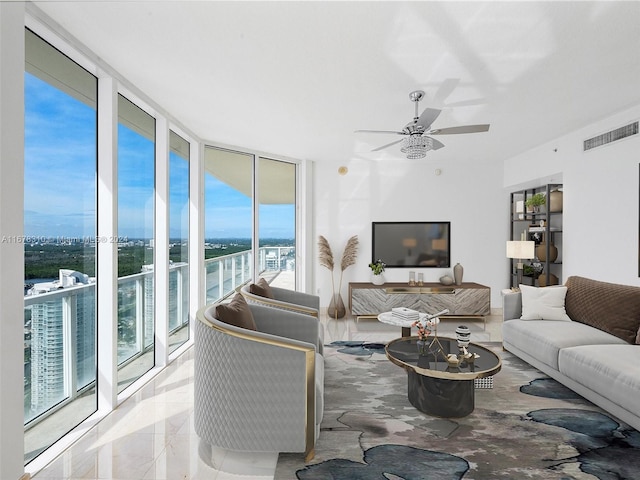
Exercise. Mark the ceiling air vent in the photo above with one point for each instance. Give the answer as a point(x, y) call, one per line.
point(612, 136)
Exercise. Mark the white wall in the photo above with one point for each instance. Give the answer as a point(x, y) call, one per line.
point(468, 194)
point(11, 246)
point(600, 211)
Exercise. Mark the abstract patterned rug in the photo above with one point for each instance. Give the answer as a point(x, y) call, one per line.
point(527, 427)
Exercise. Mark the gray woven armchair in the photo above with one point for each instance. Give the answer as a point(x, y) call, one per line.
point(284, 299)
point(258, 391)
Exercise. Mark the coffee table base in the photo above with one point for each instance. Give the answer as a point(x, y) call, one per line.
point(441, 397)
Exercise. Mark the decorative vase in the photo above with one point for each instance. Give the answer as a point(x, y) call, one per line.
point(377, 279)
point(541, 252)
point(446, 280)
point(458, 270)
point(423, 348)
point(336, 307)
point(463, 336)
point(542, 280)
point(555, 201)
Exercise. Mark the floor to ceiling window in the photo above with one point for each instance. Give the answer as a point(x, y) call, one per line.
point(136, 210)
point(277, 221)
point(59, 245)
point(60, 241)
point(178, 241)
point(228, 221)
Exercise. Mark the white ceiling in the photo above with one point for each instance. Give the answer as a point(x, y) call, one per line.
point(297, 78)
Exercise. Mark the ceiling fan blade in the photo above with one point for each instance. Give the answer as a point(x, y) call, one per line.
point(381, 131)
point(428, 117)
point(461, 129)
point(436, 144)
point(387, 145)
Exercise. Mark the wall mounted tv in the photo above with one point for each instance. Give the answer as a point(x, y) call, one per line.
point(412, 244)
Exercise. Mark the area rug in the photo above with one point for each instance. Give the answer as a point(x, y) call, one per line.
point(527, 426)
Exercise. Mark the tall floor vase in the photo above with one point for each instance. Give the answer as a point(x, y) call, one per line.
point(336, 307)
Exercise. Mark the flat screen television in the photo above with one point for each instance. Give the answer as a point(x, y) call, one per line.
point(412, 244)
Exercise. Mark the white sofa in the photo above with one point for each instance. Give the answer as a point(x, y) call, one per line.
point(593, 349)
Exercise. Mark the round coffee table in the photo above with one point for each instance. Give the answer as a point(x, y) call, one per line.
point(435, 387)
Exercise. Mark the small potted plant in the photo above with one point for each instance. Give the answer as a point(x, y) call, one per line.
point(535, 201)
point(377, 268)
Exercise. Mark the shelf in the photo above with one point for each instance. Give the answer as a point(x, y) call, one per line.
point(527, 223)
point(544, 229)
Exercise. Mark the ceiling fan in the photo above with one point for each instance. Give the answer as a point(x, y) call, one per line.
point(417, 140)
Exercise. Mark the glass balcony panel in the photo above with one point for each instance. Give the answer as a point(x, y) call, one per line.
point(277, 207)
point(60, 99)
point(136, 218)
point(228, 219)
point(178, 241)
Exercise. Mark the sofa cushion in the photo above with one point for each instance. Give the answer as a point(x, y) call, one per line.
point(236, 312)
point(543, 303)
point(610, 307)
point(261, 288)
point(613, 371)
point(543, 339)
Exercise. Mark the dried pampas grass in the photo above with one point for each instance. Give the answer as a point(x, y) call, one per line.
point(325, 253)
point(348, 257)
point(325, 256)
point(350, 253)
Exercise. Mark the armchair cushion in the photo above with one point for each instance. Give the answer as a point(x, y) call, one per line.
point(261, 288)
point(236, 312)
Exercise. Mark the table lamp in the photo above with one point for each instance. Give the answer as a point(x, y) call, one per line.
point(520, 249)
point(409, 243)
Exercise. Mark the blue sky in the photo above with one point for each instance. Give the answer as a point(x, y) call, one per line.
point(60, 138)
point(60, 179)
point(228, 214)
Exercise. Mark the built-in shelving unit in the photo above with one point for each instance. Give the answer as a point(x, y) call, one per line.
point(542, 225)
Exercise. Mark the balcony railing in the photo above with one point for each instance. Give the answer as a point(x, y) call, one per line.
point(226, 273)
point(60, 326)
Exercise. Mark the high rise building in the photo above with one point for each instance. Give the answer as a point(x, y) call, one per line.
point(62, 339)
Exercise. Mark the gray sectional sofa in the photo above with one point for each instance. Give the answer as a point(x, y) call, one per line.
point(588, 342)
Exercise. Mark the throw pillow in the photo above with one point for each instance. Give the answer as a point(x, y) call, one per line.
point(610, 307)
point(236, 312)
point(545, 303)
point(261, 288)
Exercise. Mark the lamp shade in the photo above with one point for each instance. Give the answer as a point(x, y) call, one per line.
point(409, 242)
point(521, 249)
point(439, 244)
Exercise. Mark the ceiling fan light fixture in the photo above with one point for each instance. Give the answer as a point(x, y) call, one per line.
point(416, 146)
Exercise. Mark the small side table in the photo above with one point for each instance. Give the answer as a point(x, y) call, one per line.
point(391, 319)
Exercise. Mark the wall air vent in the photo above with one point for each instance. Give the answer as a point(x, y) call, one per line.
point(612, 136)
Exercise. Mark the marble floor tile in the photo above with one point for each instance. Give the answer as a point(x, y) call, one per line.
point(150, 436)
